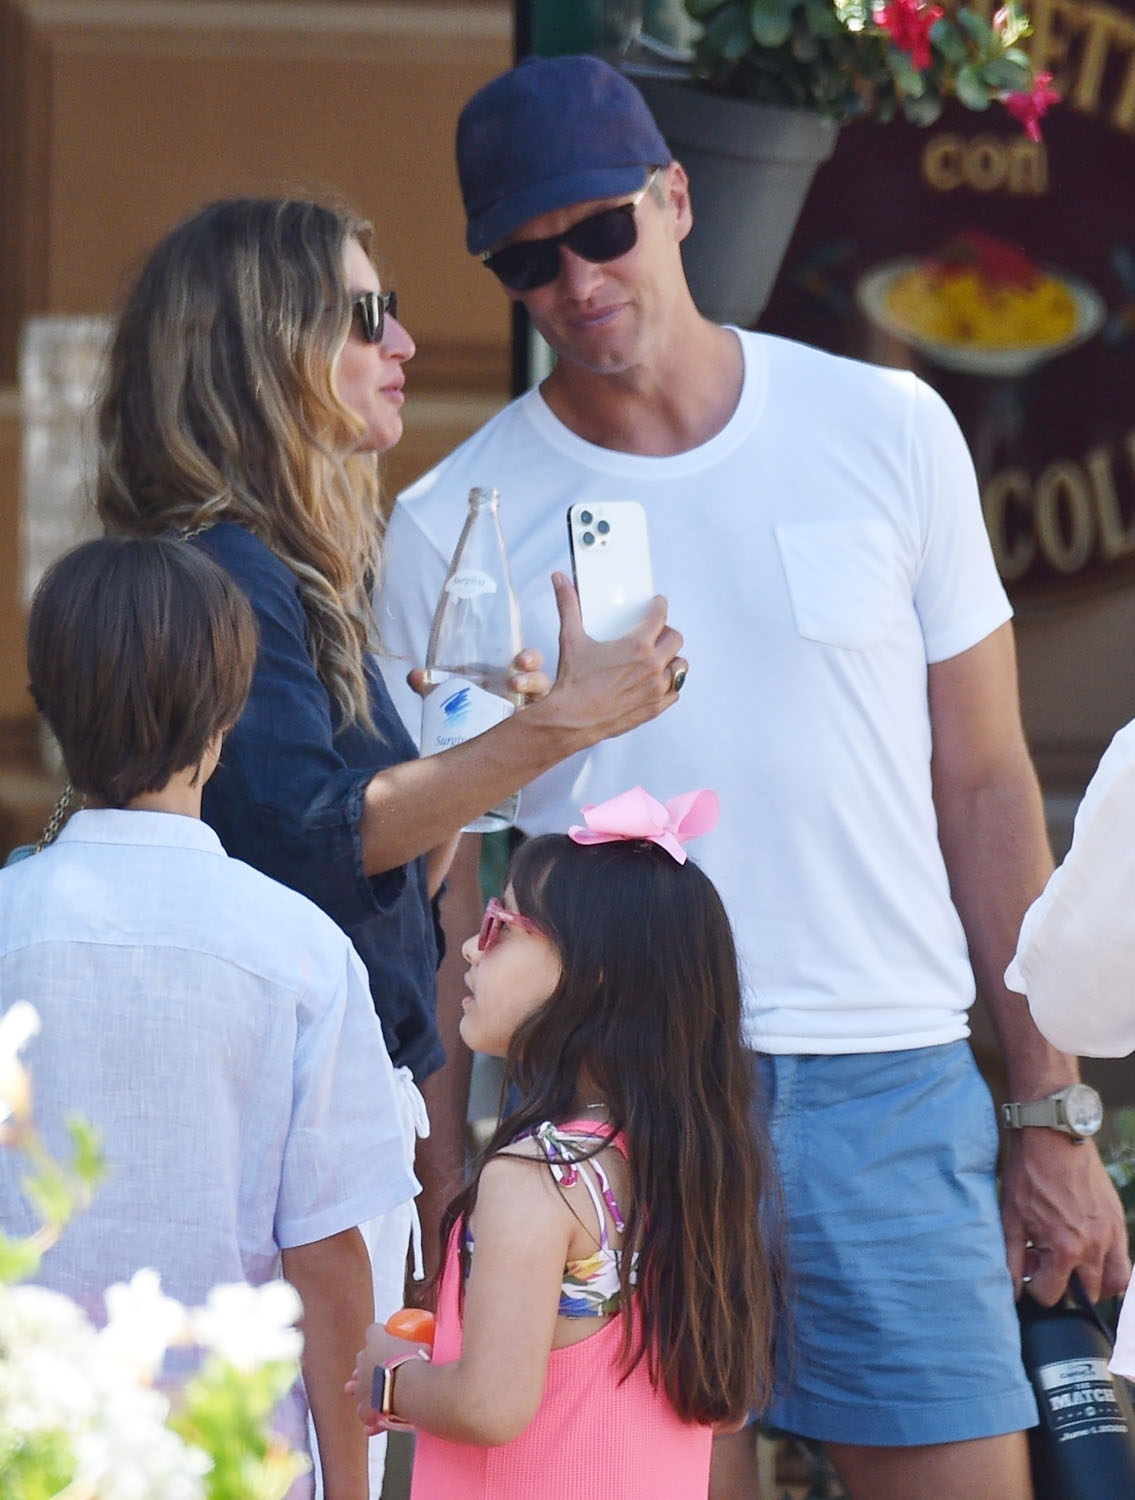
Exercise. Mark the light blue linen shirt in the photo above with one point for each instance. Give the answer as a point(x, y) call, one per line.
point(218, 1029)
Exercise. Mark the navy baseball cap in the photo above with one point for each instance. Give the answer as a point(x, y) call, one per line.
point(549, 133)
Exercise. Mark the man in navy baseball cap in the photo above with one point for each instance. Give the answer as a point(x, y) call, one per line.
point(551, 133)
point(816, 523)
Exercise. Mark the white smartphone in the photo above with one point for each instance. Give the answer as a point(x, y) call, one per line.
point(610, 557)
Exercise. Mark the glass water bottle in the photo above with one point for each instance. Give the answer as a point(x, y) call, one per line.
point(473, 643)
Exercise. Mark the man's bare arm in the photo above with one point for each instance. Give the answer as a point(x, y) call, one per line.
point(333, 1278)
point(1055, 1193)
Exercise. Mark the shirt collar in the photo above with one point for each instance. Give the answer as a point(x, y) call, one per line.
point(112, 825)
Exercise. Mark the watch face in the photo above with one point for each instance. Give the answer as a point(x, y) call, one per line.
point(1083, 1109)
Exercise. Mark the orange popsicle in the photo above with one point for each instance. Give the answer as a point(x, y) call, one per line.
point(416, 1324)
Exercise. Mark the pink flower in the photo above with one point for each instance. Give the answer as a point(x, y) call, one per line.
point(1030, 108)
point(908, 23)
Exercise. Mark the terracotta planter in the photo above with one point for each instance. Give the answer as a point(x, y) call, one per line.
point(750, 167)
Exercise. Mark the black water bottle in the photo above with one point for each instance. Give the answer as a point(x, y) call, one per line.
point(1084, 1445)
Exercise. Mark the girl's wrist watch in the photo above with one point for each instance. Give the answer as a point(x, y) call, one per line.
point(1076, 1111)
point(382, 1387)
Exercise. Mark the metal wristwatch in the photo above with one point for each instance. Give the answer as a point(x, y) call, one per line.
point(1076, 1110)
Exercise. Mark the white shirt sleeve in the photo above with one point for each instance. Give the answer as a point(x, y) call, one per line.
point(1075, 957)
point(958, 595)
point(345, 1156)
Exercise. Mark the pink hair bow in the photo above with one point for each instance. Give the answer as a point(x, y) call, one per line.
point(638, 815)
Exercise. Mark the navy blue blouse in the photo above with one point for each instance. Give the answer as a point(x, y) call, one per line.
point(287, 799)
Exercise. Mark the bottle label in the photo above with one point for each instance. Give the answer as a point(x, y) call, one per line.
point(1080, 1398)
point(468, 583)
point(458, 710)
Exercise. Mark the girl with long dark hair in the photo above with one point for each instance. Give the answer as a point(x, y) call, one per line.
point(605, 1299)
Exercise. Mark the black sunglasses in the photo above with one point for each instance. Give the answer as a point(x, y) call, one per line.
point(600, 237)
point(370, 311)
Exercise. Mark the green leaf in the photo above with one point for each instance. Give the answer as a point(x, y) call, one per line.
point(822, 18)
point(18, 1259)
point(34, 1465)
point(88, 1162)
point(949, 41)
point(770, 22)
point(728, 32)
point(907, 76)
point(1003, 76)
point(49, 1192)
point(977, 29)
point(699, 9)
point(969, 88)
point(923, 111)
point(225, 1412)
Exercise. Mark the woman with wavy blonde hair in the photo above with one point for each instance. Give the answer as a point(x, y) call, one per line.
point(256, 371)
point(216, 412)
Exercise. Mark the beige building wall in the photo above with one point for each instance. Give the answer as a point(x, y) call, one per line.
point(117, 117)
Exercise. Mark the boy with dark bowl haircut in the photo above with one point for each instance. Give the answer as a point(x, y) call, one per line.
point(216, 1027)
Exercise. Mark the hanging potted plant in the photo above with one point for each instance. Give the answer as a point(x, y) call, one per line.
point(754, 108)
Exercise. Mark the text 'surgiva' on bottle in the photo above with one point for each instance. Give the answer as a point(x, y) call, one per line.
point(1084, 1445)
point(475, 637)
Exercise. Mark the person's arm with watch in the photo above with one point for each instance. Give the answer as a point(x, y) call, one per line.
point(1059, 1209)
point(489, 1390)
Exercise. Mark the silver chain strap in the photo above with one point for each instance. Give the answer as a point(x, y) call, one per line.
point(58, 817)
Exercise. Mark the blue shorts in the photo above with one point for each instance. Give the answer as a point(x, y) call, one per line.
point(900, 1327)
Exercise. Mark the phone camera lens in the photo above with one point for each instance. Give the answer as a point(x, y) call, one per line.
point(585, 518)
point(589, 539)
point(603, 528)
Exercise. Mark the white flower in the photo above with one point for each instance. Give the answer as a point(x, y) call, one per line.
point(143, 1323)
point(18, 1024)
point(248, 1326)
point(48, 1350)
point(130, 1454)
point(55, 1376)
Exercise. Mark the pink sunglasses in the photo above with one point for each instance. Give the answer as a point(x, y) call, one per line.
point(498, 916)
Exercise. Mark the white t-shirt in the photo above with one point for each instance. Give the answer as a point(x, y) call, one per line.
point(816, 553)
point(1076, 952)
point(218, 1030)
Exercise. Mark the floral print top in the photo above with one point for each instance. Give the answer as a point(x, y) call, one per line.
point(590, 1288)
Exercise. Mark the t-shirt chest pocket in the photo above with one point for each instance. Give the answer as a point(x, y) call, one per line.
point(843, 580)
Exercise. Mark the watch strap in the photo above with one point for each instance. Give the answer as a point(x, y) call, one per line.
point(1033, 1112)
point(382, 1386)
point(1076, 1111)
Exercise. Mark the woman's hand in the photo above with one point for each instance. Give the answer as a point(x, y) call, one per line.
point(527, 679)
point(604, 688)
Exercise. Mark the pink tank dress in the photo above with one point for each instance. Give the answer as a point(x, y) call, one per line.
point(593, 1438)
